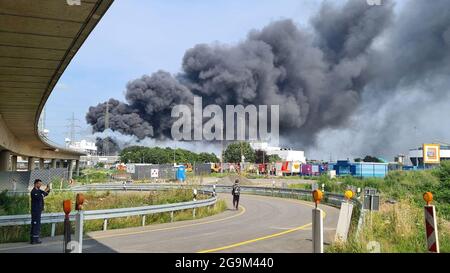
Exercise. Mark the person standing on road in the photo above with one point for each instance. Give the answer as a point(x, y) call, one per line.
point(37, 206)
point(236, 191)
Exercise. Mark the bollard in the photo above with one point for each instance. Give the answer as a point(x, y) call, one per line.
point(67, 207)
point(171, 216)
point(79, 219)
point(143, 220)
point(53, 230)
point(317, 223)
point(431, 224)
point(105, 224)
point(317, 230)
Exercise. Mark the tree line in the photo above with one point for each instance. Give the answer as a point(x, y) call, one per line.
point(158, 155)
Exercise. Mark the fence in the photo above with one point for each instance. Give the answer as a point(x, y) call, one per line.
point(163, 171)
point(22, 181)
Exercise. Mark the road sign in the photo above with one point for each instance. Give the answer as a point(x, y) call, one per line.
point(371, 202)
point(370, 191)
point(431, 229)
point(131, 168)
point(154, 173)
point(431, 153)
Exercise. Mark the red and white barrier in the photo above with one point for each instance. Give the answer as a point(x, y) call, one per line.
point(431, 229)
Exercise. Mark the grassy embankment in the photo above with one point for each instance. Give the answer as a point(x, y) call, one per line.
point(399, 225)
point(10, 205)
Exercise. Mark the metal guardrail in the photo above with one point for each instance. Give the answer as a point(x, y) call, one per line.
point(330, 198)
point(53, 218)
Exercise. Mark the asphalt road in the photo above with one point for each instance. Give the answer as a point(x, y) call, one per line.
point(262, 224)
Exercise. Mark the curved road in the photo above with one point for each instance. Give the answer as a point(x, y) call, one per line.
point(262, 224)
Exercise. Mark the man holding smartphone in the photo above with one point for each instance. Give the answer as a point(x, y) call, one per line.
point(37, 206)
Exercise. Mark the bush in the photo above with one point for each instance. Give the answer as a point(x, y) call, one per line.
point(13, 204)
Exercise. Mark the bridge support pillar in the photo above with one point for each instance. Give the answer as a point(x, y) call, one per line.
point(53, 164)
point(41, 164)
point(31, 163)
point(14, 163)
point(77, 167)
point(70, 168)
point(4, 160)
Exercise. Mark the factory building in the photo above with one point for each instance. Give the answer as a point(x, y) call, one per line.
point(286, 154)
point(429, 155)
point(84, 146)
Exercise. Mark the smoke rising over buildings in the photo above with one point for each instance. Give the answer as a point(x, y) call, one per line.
point(347, 64)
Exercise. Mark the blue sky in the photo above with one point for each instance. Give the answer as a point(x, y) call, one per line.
point(138, 37)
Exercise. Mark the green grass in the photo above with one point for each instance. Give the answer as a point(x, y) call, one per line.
point(92, 175)
point(102, 200)
point(399, 227)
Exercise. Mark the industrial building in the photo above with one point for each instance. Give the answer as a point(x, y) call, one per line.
point(433, 154)
point(83, 146)
point(286, 154)
point(90, 161)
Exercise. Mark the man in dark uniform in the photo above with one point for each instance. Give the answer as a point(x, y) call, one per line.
point(37, 206)
point(236, 192)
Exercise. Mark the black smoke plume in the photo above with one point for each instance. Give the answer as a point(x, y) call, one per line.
point(317, 75)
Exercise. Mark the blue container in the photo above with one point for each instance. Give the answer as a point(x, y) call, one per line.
point(181, 173)
point(368, 169)
point(343, 167)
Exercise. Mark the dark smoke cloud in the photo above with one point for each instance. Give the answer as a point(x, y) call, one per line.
point(122, 117)
point(406, 101)
point(317, 76)
point(107, 146)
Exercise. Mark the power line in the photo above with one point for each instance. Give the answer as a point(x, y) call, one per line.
point(73, 126)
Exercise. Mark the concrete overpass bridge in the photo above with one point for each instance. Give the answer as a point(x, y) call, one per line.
point(38, 39)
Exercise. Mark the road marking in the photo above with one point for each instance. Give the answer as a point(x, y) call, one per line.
point(267, 236)
point(170, 228)
point(133, 233)
point(255, 240)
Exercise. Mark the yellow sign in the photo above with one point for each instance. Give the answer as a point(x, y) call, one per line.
point(348, 194)
point(431, 153)
point(428, 197)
